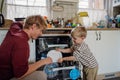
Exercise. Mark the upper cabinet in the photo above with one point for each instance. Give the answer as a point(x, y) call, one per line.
point(116, 8)
point(116, 3)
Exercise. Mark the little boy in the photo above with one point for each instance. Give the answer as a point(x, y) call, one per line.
point(81, 53)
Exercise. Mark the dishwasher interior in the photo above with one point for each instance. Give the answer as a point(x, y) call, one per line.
point(67, 70)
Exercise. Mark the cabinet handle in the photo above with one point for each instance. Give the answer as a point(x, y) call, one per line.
point(100, 35)
point(96, 35)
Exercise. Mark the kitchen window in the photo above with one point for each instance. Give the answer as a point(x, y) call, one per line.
point(91, 4)
point(95, 10)
point(83, 3)
point(28, 2)
point(24, 8)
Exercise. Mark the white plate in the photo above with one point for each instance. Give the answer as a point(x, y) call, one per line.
point(55, 55)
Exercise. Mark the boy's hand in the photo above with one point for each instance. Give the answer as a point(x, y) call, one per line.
point(60, 60)
point(59, 49)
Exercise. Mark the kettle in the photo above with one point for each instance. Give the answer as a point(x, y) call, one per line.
point(2, 21)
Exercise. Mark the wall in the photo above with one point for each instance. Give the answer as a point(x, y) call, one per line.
point(68, 12)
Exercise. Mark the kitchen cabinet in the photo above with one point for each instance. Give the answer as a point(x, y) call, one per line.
point(32, 51)
point(106, 48)
point(2, 35)
point(116, 8)
point(116, 3)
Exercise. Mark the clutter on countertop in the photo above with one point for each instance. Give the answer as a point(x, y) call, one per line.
point(7, 23)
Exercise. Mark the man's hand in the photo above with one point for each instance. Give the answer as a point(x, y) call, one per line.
point(48, 60)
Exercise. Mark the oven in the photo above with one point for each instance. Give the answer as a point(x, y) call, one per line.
point(57, 71)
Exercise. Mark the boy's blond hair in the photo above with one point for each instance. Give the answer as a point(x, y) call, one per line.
point(79, 32)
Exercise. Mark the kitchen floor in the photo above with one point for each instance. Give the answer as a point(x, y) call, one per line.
point(117, 78)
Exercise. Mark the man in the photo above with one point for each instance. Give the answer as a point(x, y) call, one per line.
point(14, 51)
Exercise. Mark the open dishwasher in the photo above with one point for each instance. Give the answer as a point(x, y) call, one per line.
point(67, 70)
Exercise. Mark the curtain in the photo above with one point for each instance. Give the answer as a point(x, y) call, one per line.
point(109, 7)
point(16, 10)
point(96, 4)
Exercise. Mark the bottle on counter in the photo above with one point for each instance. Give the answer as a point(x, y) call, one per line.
point(62, 23)
point(114, 24)
point(68, 24)
point(118, 22)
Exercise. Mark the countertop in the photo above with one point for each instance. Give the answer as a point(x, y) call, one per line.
point(62, 29)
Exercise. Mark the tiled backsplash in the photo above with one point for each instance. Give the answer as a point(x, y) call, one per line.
point(68, 12)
